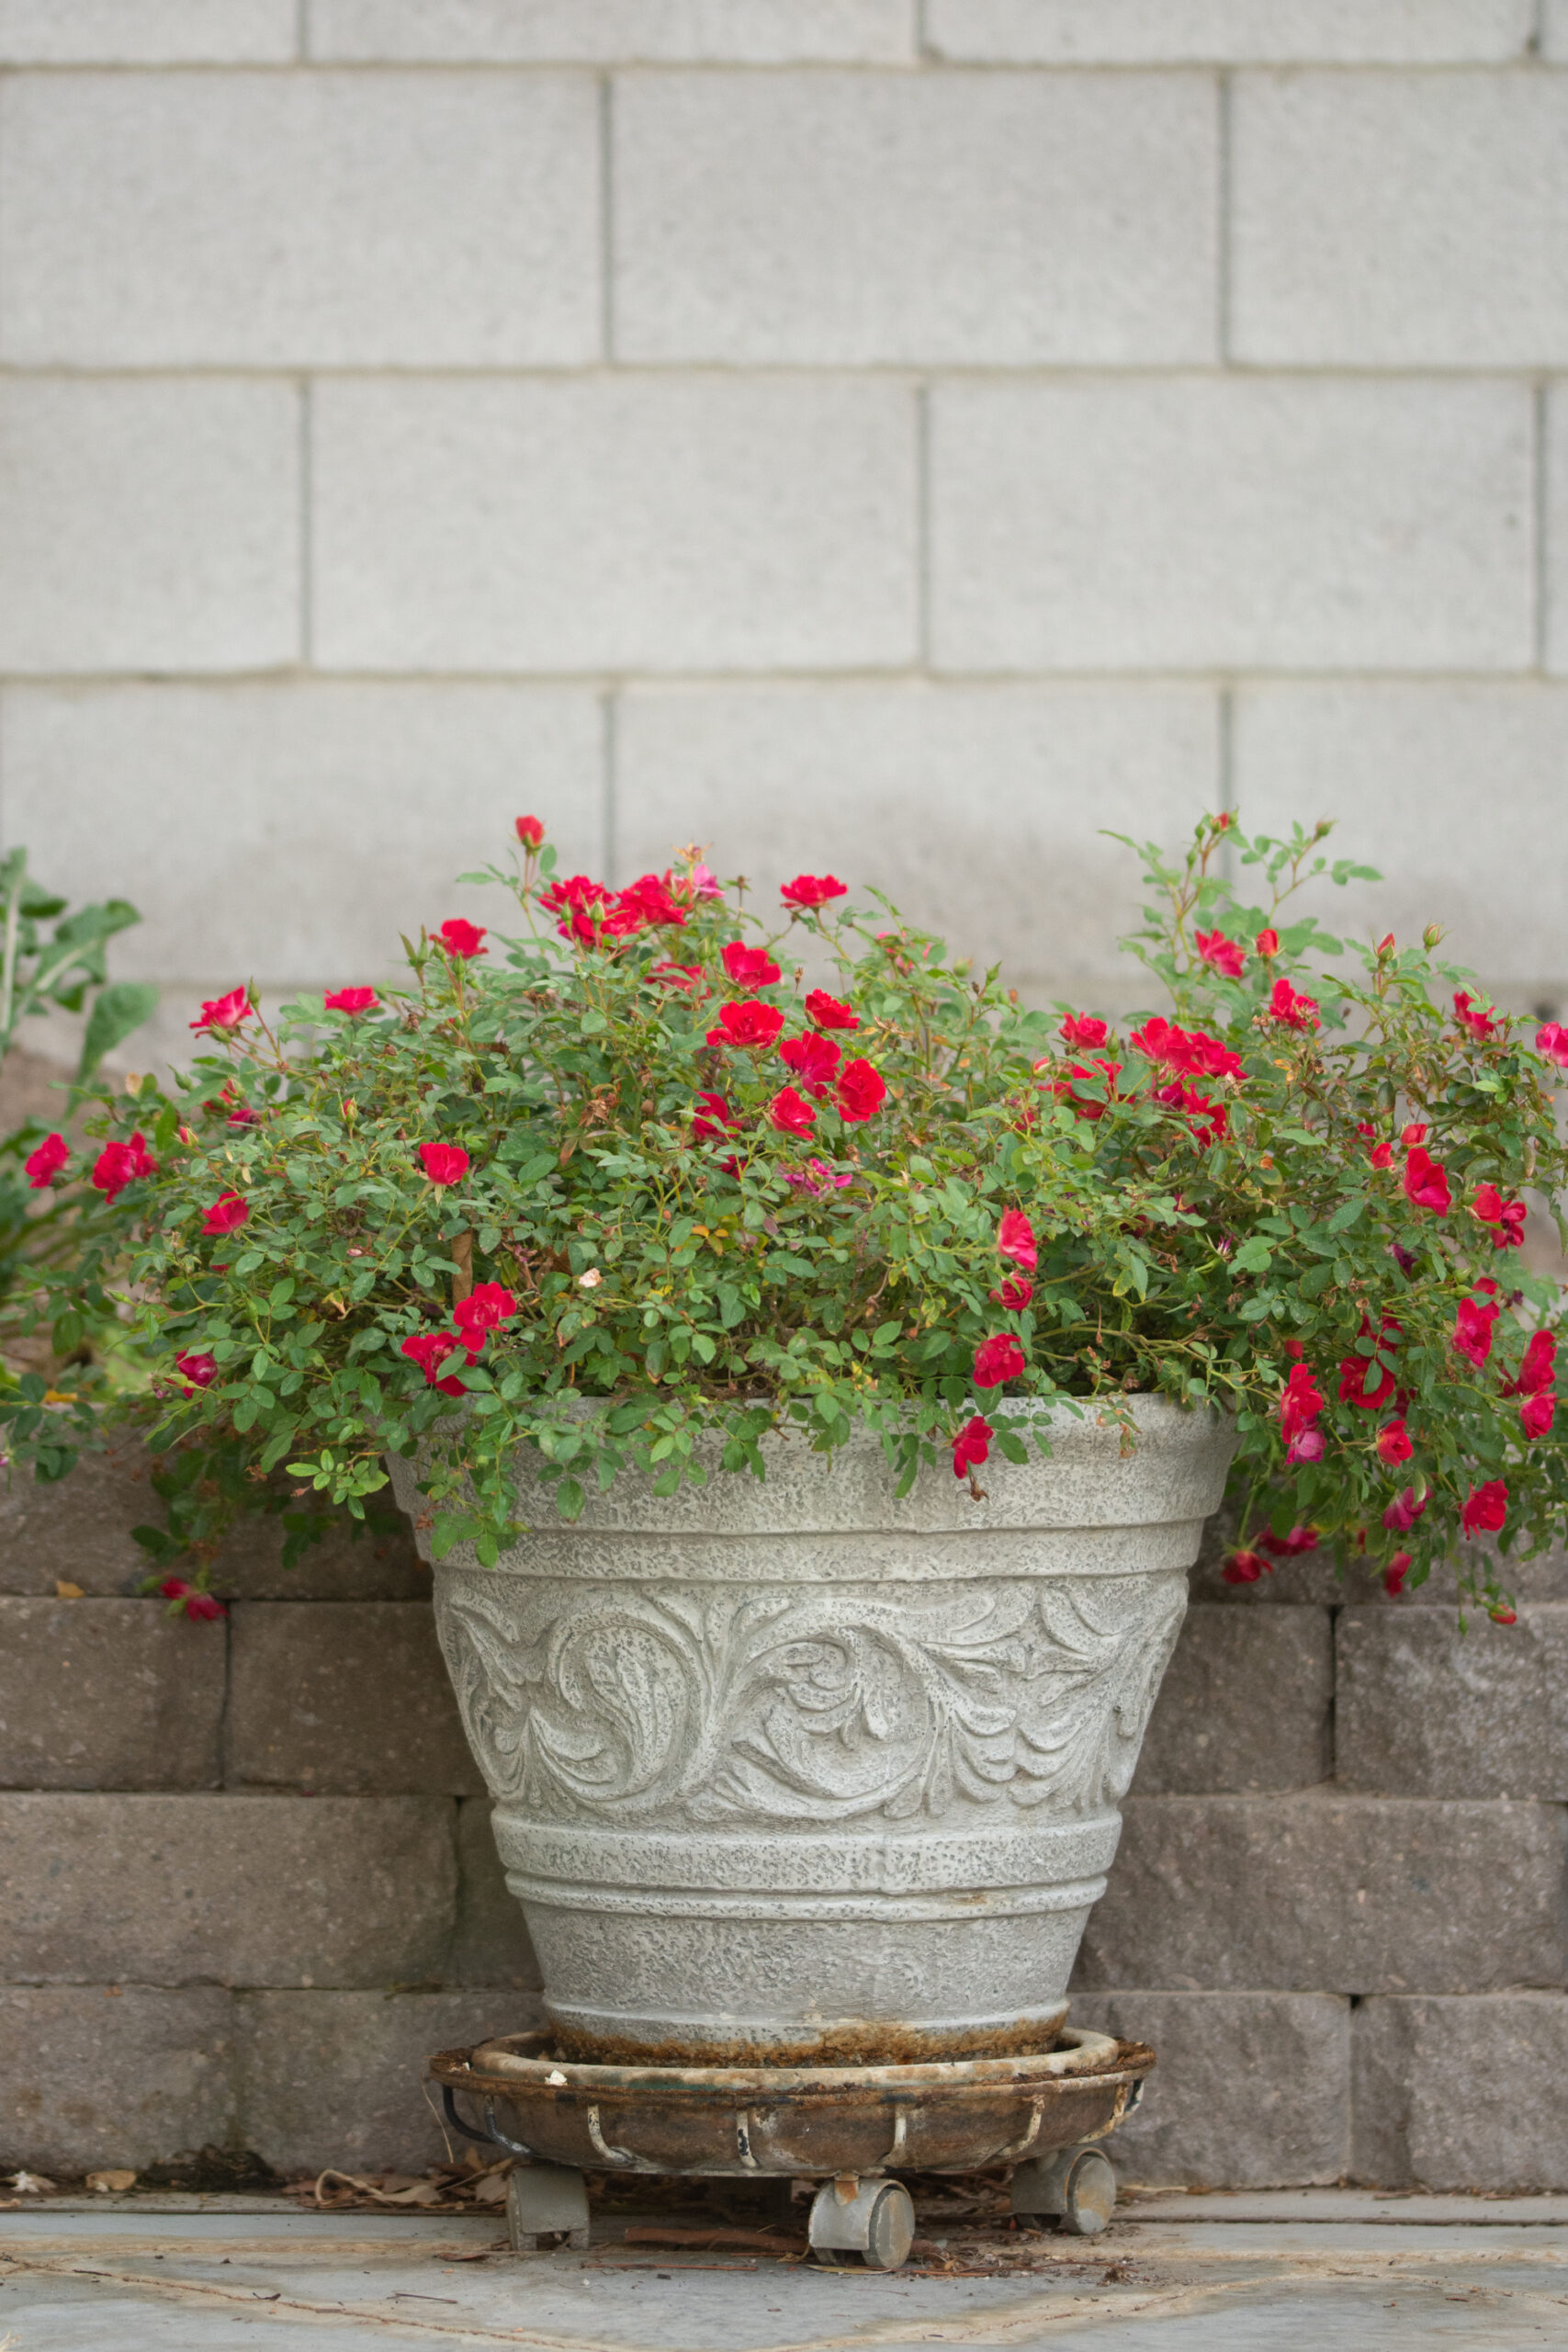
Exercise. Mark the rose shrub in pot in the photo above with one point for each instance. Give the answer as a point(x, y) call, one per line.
point(809, 1370)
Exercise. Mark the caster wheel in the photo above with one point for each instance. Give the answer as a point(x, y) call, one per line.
point(544, 2203)
point(1075, 2188)
point(870, 2223)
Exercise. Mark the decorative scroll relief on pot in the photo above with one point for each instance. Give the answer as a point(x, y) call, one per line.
point(686, 1706)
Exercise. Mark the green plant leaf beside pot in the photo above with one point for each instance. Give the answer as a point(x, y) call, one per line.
point(726, 1170)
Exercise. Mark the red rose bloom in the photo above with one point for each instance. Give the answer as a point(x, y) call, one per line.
point(971, 1445)
point(1227, 955)
point(200, 1371)
point(790, 1114)
point(815, 1060)
point(353, 1000)
point(1485, 1509)
point(1503, 1615)
point(530, 830)
point(1393, 1575)
point(1082, 1030)
point(1267, 942)
point(1551, 1040)
point(1015, 1239)
point(1243, 1568)
point(1292, 1012)
point(1394, 1442)
point(1537, 1414)
point(862, 1092)
point(1538, 1369)
point(1509, 1216)
point(748, 1024)
point(717, 1119)
point(1472, 1330)
point(44, 1165)
point(1353, 1370)
point(809, 890)
point(1085, 1106)
point(1287, 1547)
point(1402, 1514)
point(1193, 1053)
point(120, 1164)
point(1300, 1403)
point(1208, 1120)
point(223, 1015)
point(1014, 1295)
point(430, 1349)
point(199, 1606)
point(486, 1307)
point(997, 1359)
point(443, 1163)
point(1426, 1180)
point(227, 1213)
point(828, 1012)
point(1480, 1025)
point(687, 978)
point(652, 900)
point(749, 967)
point(462, 939)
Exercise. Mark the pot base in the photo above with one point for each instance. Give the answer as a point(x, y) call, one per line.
point(846, 2042)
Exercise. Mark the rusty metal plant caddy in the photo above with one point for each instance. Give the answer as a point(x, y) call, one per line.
point(821, 2121)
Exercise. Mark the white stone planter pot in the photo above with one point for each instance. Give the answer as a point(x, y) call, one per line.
point(796, 1771)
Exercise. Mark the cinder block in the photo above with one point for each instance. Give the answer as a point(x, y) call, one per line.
point(109, 1694)
point(348, 810)
point(147, 525)
point(615, 522)
point(1554, 29)
point(1400, 221)
point(343, 1697)
point(236, 1890)
point(1556, 464)
point(971, 808)
point(1228, 32)
point(1424, 1710)
point(490, 1944)
point(1192, 522)
point(1398, 764)
point(353, 219)
point(1344, 1894)
point(1245, 1704)
point(96, 2075)
point(338, 2079)
point(147, 32)
point(971, 219)
point(1252, 2090)
point(1463, 2095)
point(617, 32)
point(77, 1528)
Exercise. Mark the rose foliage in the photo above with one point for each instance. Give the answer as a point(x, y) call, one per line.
point(711, 1168)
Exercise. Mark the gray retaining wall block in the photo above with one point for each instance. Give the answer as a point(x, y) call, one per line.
point(1422, 1709)
point(232, 1890)
point(1320, 1891)
point(345, 1696)
point(490, 1944)
point(109, 1694)
point(1461, 2094)
point(1252, 2090)
point(103, 2074)
point(1244, 1706)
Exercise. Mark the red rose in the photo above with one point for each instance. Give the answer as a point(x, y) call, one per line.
point(353, 1000)
point(44, 1165)
point(809, 891)
point(1469, 1016)
point(1426, 1181)
point(1300, 1403)
point(1085, 1106)
point(828, 1012)
point(688, 978)
point(1082, 1030)
point(1208, 1120)
point(530, 830)
point(862, 1092)
point(594, 913)
point(1267, 942)
point(1292, 1012)
point(814, 1060)
point(1245, 1568)
point(1225, 955)
point(1537, 1413)
point(1193, 1053)
point(197, 1606)
point(1287, 1547)
point(1394, 1444)
point(1472, 1330)
point(790, 1114)
point(971, 1445)
point(200, 1371)
point(1393, 1575)
point(224, 1014)
point(120, 1164)
point(1538, 1368)
point(1402, 1514)
point(1309, 1446)
point(1015, 1239)
point(486, 1307)
point(1552, 1041)
point(1502, 1615)
point(1485, 1509)
point(227, 1214)
point(749, 967)
point(1509, 1216)
point(429, 1349)
point(997, 1359)
point(748, 1024)
point(462, 939)
point(1014, 1295)
point(652, 900)
point(443, 1163)
point(1353, 1370)
point(717, 1119)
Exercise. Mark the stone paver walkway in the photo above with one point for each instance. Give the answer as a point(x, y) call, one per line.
point(1219, 2273)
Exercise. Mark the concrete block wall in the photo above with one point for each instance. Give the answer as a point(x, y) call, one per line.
point(247, 1882)
point(902, 437)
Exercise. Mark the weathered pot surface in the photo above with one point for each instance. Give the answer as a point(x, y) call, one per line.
point(791, 1774)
